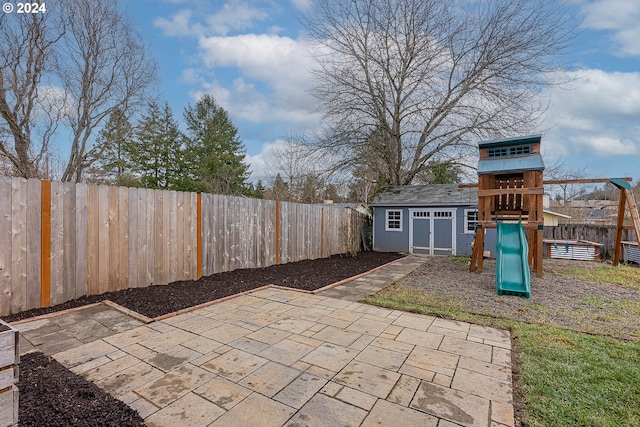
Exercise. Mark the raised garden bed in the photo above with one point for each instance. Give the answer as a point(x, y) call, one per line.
point(583, 250)
point(9, 360)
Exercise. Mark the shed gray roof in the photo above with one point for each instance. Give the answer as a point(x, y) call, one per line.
point(427, 195)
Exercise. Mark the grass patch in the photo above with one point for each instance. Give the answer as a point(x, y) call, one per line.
point(406, 295)
point(623, 275)
point(575, 379)
point(460, 258)
point(568, 378)
point(620, 307)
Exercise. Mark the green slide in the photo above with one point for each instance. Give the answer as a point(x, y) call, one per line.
point(512, 264)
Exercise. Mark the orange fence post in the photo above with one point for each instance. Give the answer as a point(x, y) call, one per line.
point(45, 255)
point(199, 234)
point(322, 248)
point(277, 232)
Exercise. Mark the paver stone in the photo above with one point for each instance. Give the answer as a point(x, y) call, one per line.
point(234, 364)
point(300, 390)
point(451, 404)
point(322, 411)
point(255, 411)
point(331, 357)
point(174, 385)
point(269, 378)
point(385, 414)
point(382, 358)
point(190, 410)
point(367, 378)
point(223, 393)
point(84, 353)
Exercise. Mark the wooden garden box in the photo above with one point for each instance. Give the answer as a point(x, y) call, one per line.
point(9, 359)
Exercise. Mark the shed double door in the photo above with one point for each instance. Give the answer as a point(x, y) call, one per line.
point(432, 231)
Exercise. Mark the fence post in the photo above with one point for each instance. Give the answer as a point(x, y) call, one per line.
point(45, 256)
point(277, 232)
point(199, 235)
point(322, 231)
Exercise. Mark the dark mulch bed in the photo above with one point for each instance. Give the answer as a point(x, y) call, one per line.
point(155, 301)
point(51, 395)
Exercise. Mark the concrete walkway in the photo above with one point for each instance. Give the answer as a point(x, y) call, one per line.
point(279, 357)
point(369, 284)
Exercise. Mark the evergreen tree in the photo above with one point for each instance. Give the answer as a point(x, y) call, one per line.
point(114, 166)
point(279, 191)
point(214, 151)
point(310, 189)
point(259, 190)
point(256, 190)
point(441, 173)
point(157, 155)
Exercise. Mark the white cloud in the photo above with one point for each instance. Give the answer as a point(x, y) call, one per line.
point(191, 76)
point(301, 4)
point(260, 163)
point(234, 16)
point(596, 116)
point(178, 25)
point(243, 101)
point(274, 77)
point(594, 93)
point(605, 145)
point(259, 78)
point(266, 57)
point(618, 16)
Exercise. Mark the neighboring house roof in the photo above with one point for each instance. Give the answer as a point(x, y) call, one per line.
point(427, 195)
point(559, 215)
point(358, 207)
point(593, 204)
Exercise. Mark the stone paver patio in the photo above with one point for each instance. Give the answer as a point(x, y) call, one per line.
point(279, 357)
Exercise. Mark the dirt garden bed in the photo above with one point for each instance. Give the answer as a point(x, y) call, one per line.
point(53, 396)
point(155, 301)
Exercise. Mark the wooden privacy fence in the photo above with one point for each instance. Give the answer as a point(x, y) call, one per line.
point(605, 234)
point(60, 241)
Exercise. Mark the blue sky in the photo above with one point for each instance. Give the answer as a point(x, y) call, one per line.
point(252, 57)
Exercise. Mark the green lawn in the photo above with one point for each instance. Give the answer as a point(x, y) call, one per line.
point(624, 275)
point(568, 378)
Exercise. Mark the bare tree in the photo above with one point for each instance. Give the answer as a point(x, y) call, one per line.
point(364, 185)
point(406, 80)
point(26, 56)
point(297, 166)
point(107, 70)
point(560, 171)
point(71, 66)
point(6, 167)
